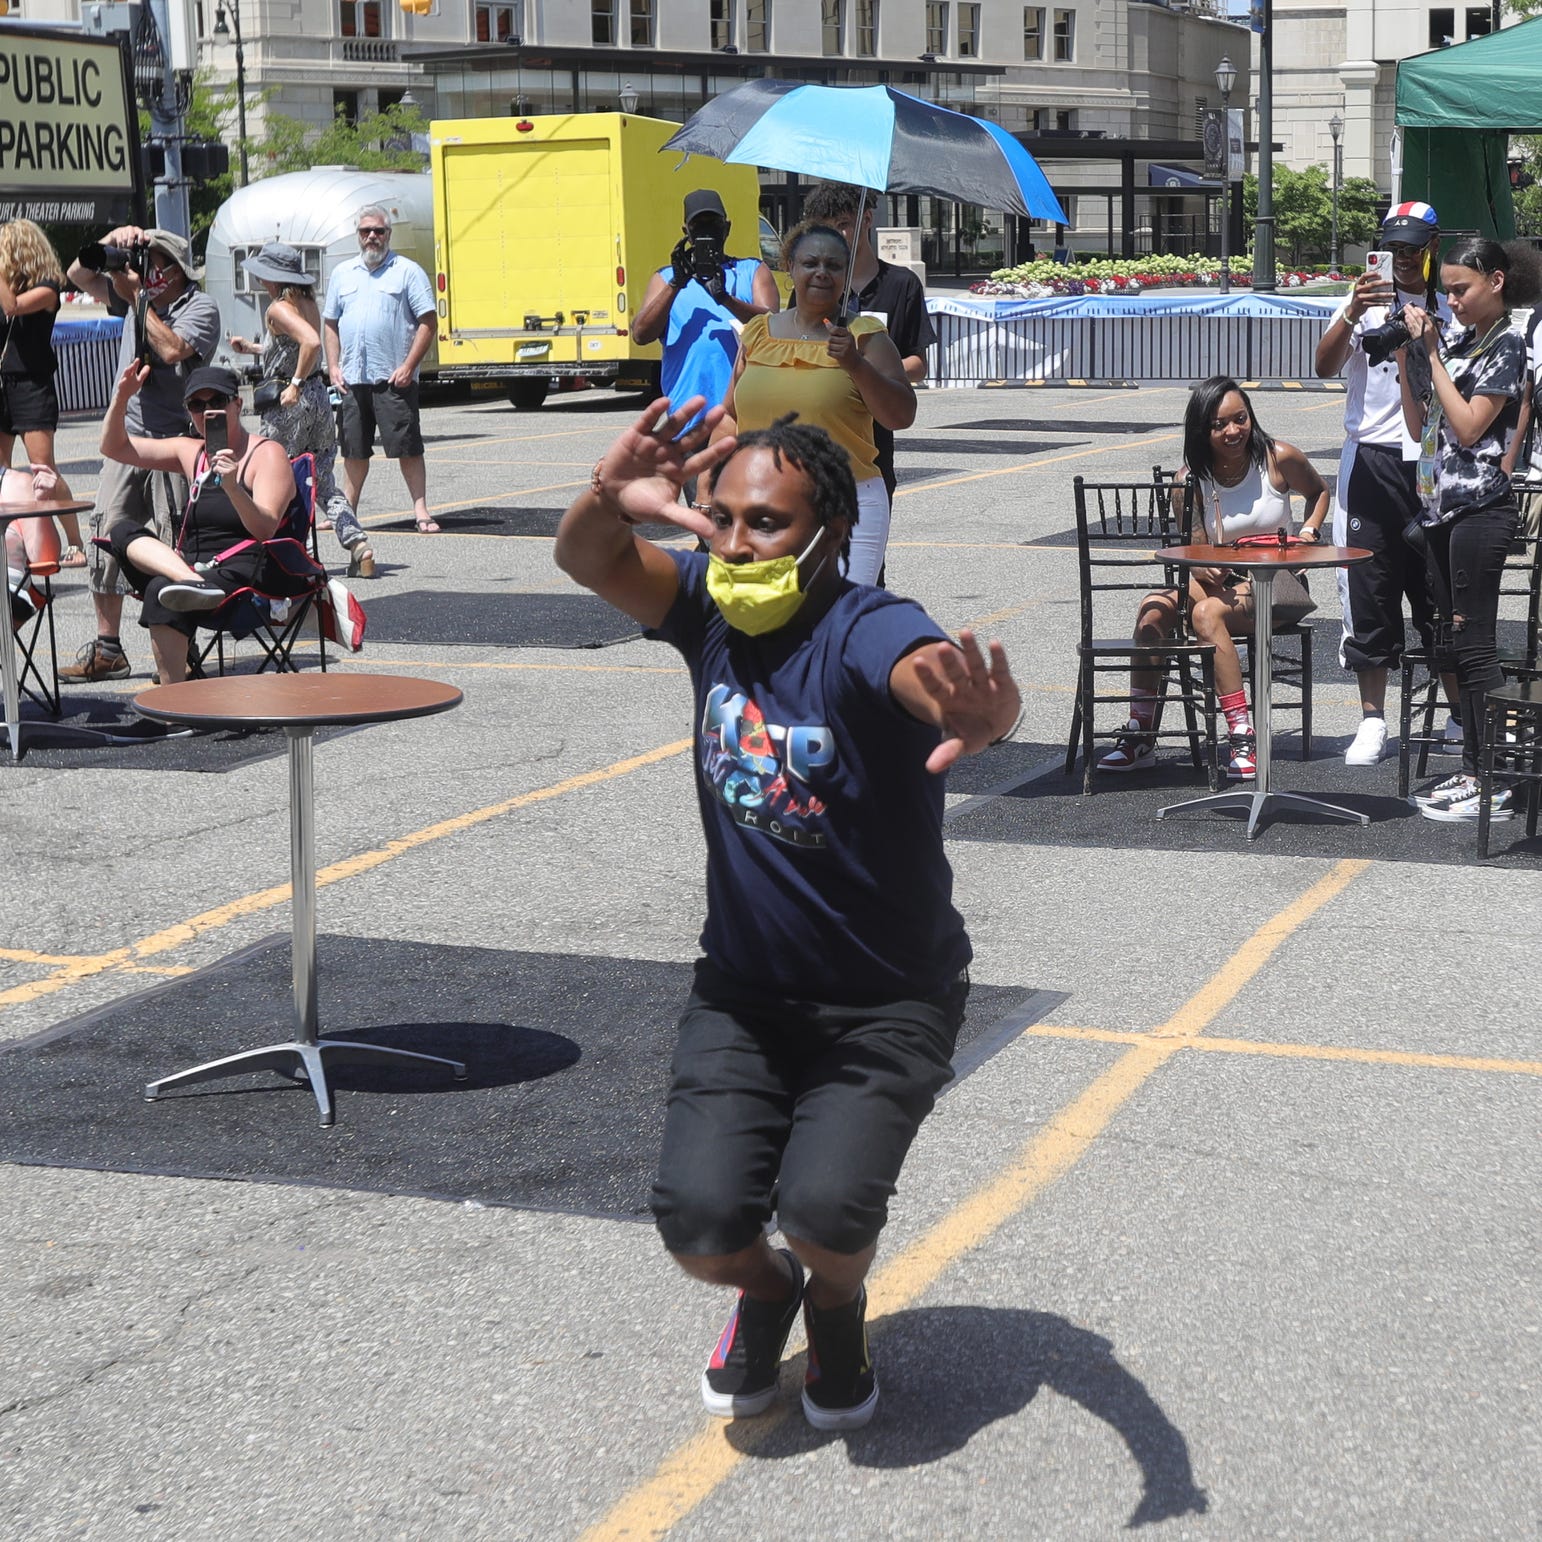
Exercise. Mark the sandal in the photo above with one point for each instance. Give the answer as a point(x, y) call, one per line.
point(361, 561)
point(428, 525)
point(72, 557)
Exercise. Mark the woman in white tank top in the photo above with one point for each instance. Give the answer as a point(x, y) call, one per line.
point(1242, 481)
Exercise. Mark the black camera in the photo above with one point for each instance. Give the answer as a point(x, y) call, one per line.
point(102, 258)
point(707, 259)
point(1380, 343)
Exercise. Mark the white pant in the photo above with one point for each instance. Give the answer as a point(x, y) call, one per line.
point(871, 535)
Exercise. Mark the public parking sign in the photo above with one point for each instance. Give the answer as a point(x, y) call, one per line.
point(69, 135)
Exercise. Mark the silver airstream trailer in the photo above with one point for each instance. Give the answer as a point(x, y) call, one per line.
point(314, 211)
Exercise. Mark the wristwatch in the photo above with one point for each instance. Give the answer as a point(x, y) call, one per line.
point(297, 380)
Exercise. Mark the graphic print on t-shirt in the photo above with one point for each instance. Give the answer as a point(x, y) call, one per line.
point(760, 771)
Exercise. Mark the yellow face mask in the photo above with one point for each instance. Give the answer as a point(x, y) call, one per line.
point(758, 597)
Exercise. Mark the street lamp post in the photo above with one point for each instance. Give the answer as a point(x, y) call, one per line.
point(1226, 78)
point(1336, 128)
point(222, 28)
point(628, 98)
point(1264, 280)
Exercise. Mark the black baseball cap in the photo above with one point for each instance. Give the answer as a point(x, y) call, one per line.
point(703, 201)
point(211, 377)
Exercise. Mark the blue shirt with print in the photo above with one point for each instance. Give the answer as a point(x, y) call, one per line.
point(826, 878)
point(702, 342)
point(377, 311)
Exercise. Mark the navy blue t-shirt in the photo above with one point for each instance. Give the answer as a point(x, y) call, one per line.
point(826, 878)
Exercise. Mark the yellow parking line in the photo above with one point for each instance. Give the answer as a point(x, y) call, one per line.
point(350, 867)
point(1397, 1057)
point(1033, 465)
point(690, 1473)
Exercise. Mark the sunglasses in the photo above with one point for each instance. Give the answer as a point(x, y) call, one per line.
point(372, 230)
point(1403, 249)
point(209, 403)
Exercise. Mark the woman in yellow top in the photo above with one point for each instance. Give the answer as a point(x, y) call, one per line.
point(836, 377)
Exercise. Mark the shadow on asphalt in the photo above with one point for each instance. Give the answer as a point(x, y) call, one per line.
point(948, 1372)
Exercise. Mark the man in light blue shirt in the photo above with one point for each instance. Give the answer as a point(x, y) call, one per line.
point(379, 321)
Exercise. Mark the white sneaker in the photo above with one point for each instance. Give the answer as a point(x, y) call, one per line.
point(1453, 790)
point(1370, 743)
point(1465, 810)
point(1451, 740)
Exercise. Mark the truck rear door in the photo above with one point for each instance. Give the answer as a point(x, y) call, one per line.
point(532, 233)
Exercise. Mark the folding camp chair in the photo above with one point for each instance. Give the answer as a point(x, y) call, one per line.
point(31, 605)
point(274, 617)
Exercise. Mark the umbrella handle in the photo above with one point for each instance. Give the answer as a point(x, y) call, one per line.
point(844, 317)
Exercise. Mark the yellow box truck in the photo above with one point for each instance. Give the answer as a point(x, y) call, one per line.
point(546, 232)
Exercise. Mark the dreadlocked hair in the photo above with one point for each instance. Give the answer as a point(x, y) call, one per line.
point(816, 455)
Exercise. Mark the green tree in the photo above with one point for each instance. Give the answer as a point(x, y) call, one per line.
point(379, 141)
point(1303, 212)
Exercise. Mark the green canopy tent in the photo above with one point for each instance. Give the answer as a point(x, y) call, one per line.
point(1456, 108)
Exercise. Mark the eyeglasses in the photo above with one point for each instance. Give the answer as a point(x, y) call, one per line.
point(209, 403)
point(1404, 249)
point(372, 230)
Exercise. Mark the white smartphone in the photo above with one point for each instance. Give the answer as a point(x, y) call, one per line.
point(1380, 263)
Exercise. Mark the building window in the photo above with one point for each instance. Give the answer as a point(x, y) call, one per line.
point(1480, 21)
point(361, 18)
point(937, 27)
point(1442, 26)
point(1065, 36)
point(1046, 119)
point(1033, 32)
point(867, 28)
point(757, 26)
point(496, 23)
point(722, 17)
point(969, 32)
point(642, 23)
point(602, 22)
point(345, 105)
point(832, 18)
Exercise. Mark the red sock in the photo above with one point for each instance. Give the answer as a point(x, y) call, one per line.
point(1235, 705)
point(1142, 706)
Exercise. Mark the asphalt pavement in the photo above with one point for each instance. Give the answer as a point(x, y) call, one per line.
point(1239, 1240)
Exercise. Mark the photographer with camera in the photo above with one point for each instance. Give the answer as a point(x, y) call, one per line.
point(1376, 495)
point(1463, 410)
point(695, 303)
point(148, 277)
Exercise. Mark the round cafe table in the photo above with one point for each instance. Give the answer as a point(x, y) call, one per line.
point(299, 704)
point(1261, 563)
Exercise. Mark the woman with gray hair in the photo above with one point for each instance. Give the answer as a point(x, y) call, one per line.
point(300, 414)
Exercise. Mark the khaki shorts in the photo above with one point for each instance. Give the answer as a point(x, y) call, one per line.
point(153, 500)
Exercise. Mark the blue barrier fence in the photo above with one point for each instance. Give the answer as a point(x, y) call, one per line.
point(1147, 339)
point(87, 350)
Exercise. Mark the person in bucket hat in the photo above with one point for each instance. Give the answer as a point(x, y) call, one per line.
point(180, 331)
point(299, 414)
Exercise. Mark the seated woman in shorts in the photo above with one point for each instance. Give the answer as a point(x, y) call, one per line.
point(29, 542)
point(1240, 482)
point(240, 493)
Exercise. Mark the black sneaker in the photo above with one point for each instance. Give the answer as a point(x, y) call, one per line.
point(741, 1377)
point(840, 1391)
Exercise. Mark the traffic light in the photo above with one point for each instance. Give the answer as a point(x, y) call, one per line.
point(203, 160)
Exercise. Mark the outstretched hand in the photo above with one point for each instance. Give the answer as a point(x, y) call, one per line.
point(976, 701)
point(641, 474)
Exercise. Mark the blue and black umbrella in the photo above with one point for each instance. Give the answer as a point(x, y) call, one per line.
point(871, 137)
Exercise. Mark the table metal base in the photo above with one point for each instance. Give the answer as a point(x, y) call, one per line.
point(1242, 797)
point(303, 1058)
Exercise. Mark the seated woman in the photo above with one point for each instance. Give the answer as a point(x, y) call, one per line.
point(30, 542)
point(242, 492)
point(1239, 481)
point(838, 378)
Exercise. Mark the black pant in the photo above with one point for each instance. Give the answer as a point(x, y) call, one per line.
point(1465, 560)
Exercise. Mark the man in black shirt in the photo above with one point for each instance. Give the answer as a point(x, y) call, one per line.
point(891, 293)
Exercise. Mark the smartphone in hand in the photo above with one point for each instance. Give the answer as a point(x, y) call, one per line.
point(216, 433)
point(1380, 263)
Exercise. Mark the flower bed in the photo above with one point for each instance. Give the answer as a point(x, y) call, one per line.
point(1131, 275)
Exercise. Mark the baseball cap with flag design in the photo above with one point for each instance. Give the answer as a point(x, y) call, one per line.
point(1415, 223)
